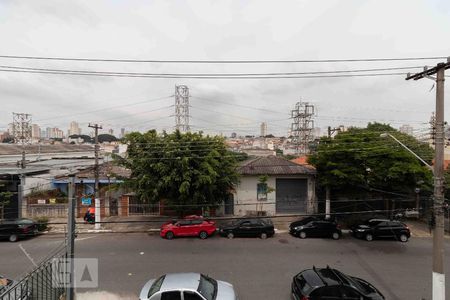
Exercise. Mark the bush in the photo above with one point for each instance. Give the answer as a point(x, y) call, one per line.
point(42, 223)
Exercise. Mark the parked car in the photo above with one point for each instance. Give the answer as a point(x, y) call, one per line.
point(14, 229)
point(11, 289)
point(248, 228)
point(187, 286)
point(328, 283)
point(303, 221)
point(188, 227)
point(382, 228)
point(316, 228)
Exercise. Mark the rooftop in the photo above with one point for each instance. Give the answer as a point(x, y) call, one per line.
point(273, 165)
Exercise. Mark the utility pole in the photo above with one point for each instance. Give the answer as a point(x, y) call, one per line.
point(96, 174)
point(71, 237)
point(22, 135)
point(438, 205)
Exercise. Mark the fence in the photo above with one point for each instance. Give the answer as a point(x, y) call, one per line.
point(143, 209)
point(43, 282)
point(47, 210)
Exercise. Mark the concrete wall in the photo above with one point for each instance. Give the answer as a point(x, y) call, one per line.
point(245, 197)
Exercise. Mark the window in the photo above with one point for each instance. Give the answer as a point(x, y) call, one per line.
point(349, 293)
point(207, 287)
point(261, 190)
point(191, 296)
point(156, 286)
point(175, 295)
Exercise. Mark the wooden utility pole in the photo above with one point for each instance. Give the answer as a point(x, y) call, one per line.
point(438, 203)
point(96, 174)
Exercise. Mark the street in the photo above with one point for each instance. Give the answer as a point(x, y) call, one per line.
point(259, 269)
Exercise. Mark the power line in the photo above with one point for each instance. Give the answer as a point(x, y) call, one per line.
point(219, 61)
point(199, 77)
point(211, 74)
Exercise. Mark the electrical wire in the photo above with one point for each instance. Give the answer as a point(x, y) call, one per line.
point(220, 61)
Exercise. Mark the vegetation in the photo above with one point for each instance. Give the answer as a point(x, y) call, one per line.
point(102, 138)
point(186, 170)
point(5, 198)
point(361, 160)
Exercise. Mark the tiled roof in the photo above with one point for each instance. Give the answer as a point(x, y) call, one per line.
point(273, 165)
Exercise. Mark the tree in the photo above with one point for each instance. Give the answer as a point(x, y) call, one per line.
point(187, 170)
point(5, 198)
point(359, 160)
point(8, 140)
point(106, 138)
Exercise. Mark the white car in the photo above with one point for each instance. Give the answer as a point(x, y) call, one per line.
point(187, 286)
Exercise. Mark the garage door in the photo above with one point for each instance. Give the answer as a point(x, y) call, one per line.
point(291, 195)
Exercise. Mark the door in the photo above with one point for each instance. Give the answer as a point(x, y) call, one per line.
point(244, 229)
point(291, 195)
point(229, 205)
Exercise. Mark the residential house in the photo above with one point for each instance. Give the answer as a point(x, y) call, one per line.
point(289, 188)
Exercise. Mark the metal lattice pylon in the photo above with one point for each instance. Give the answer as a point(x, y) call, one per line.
point(302, 126)
point(22, 128)
point(182, 108)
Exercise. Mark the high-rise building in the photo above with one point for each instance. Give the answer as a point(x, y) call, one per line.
point(122, 132)
point(406, 129)
point(35, 132)
point(74, 128)
point(263, 129)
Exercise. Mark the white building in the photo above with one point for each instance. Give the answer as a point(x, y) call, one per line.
point(74, 128)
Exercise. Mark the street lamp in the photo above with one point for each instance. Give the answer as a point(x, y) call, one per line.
point(383, 135)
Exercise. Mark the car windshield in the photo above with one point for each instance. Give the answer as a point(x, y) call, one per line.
point(207, 287)
point(156, 286)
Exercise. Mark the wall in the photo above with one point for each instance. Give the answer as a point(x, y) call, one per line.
point(245, 201)
point(47, 210)
point(245, 198)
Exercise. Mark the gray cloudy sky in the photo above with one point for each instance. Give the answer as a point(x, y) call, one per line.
point(219, 30)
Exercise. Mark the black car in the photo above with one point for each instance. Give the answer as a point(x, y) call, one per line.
point(303, 221)
point(382, 228)
point(328, 283)
point(248, 228)
point(17, 228)
point(316, 228)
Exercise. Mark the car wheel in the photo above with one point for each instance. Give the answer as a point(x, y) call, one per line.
point(369, 237)
point(263, 235)
point(403, 238)
point(302, 235)
point(336, 236)
point(203, 235)
point(13, 238)
point(169, 235)
point(230, 235)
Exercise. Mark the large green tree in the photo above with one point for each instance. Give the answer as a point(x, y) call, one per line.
point(360, 159)
point(186, 169)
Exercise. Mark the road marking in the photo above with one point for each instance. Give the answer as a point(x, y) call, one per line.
point(85, 238)
point(27, 255)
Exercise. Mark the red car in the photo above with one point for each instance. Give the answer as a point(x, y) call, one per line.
point(188, 227)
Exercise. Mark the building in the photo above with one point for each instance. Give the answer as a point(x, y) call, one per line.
point(406, 129)
point(74, 128)
point(263, 129)
point(111, 131)
point(122, 132)
point(35, 133)
point(52, 133)
point(289, 188)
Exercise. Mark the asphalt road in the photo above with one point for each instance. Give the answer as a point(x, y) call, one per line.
point(259, 269)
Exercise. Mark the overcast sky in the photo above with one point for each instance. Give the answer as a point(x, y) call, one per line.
point(220, 30)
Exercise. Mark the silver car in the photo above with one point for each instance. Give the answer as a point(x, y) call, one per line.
point(187, 286)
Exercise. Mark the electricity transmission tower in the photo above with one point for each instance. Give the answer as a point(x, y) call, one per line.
point(21, 128)
point(182, 108)
point(302, 126)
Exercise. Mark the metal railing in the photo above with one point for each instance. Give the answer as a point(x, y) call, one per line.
point(43, 282)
